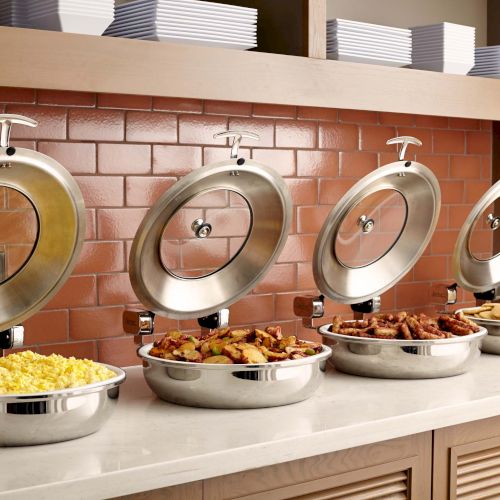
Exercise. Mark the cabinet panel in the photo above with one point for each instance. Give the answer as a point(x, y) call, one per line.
point(467, 461)
point(189, 491)
point(400, 468)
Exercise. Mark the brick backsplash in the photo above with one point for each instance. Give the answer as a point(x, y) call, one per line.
point(124, 151)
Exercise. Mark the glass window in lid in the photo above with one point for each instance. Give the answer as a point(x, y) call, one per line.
point(18, 231)
point(205, 234)
point(370, 228)
point(485, 230)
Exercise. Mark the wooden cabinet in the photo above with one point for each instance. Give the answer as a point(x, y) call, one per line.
point(467, 461)
point(395, 469)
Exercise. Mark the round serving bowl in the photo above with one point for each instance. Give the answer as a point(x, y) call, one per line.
point(403, 359)
point(234, 386)
point(51, 417)
point(491, 342)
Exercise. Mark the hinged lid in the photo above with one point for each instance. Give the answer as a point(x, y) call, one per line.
point(377, 231)
point(236, 213)
point(476, 261)
point(43, 227)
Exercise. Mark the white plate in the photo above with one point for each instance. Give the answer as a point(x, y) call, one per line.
point(247, 31)
point(444, 26)
point(444, 67)
point(194, 9)
point(357, 35)
point(366, 60)
point(170, 32)
point(71, 23)
point(186, 13)
point(374, 27)
point(368, 41)
point(187, 20)
point(384, 57)
point(185, 33)
point(248, 11)
point(354, 30)
point(197, 41)
point(366, 50)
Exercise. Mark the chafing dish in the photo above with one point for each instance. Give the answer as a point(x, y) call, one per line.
point(183, 293)
point(234, 386)
point(476, 261)
point(370, 240)
point(50, 417)
point(54, 196)
point(405, 359)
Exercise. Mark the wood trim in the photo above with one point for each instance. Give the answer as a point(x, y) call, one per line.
point(64, 61)
point(300, 477)
point(450, 442)
point(316, 28)
point(188, 491)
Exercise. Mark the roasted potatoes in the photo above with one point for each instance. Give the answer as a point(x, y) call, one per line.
point(227, 346)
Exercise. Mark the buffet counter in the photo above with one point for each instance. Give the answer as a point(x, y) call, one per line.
point(149, 444)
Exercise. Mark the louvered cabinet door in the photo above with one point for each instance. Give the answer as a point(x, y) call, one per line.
point(391, 470)
point(467, 461)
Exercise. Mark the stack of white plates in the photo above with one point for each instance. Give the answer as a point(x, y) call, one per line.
point(368, 43)
point(187, 21)
point(445, 47)
point(90, 17)
point(487, 62)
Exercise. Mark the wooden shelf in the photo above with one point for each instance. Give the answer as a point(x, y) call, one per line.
point(49, 60)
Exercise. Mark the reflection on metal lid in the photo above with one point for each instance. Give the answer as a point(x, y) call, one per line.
point(376, 232)
point(476, 260)
point(370, 228)
point(205, 234)
point(231, 256)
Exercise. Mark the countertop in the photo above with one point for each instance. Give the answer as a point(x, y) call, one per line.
point(149, 444)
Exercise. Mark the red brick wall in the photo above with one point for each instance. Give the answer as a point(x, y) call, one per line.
point(125, 150)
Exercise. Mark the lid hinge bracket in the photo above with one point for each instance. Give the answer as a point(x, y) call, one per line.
point(309, 308)
point(368, 307)
point(219, 319)
point(138, 323)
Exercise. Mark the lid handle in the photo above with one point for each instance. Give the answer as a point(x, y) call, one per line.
point(237, 136)
point(404, 140)
point(6, 122)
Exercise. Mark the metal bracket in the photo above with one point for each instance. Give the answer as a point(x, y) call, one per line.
point(367, 307)
point(309, 308)
point(138, 323)
point(488, 296)
point(443, 295)
point(11, 338)
point(237, 137)
point(220, 319)
point(404, 140)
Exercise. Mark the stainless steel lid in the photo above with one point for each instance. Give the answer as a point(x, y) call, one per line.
point(476, 263)
point(377, 231)
point(263, 216)
point(56, 200)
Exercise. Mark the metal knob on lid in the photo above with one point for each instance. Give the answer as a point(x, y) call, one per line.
point(405, 141)
point(237, 137)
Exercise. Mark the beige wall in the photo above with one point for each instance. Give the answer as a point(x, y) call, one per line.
point(405, 13)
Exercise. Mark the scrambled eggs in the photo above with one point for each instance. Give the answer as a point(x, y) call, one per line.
point(28, 372)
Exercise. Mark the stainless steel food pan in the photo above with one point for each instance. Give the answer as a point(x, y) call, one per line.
point(405, 359)
point(234, 386)
point(50, 417)
point(491, 342)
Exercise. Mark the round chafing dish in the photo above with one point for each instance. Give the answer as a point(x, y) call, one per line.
point(234, 386)
point(370, 240)
point(476, 260)
point(184, 294)
point(51, 417)
point(403, 359)
point(52, 195)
